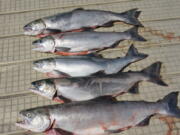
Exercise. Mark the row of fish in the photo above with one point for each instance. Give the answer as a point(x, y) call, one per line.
point(85, 88)
point(81, 43)
point(87, 85)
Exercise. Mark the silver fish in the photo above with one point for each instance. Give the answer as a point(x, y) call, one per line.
point(84, 41)
point(85, 88)
point(99, 116)
point(80, 19)
point(81, 66)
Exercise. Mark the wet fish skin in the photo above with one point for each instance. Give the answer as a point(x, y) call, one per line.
point(85, 41)
point(98, 116)
point(80, 19)
point(85, 88)
point(81, 66)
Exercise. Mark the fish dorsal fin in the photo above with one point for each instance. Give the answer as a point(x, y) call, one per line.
point(115, 44)
point(105, 98)
point(78, 9)
point(145, 122)
point(134, 89)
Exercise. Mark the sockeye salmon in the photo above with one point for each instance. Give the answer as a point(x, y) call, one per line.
point(78, 43)
point(81, 66)
point(79, 20)
point(99, 116)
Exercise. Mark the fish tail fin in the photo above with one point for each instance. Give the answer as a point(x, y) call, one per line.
point(131, 17)
point(153, 72)
point(133, 34)
point(134, 54)
point(170, 105)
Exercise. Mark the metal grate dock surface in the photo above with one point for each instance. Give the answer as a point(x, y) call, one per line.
point(161, 19)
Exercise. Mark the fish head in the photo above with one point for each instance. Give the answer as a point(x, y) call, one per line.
point(45, 44)
point(44, 65)
point(44, 88)
point(34, 28)
point(36, 120)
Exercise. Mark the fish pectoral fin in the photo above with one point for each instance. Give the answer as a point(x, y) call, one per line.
point(145, 122)
point(48, 32)
point(56, 74)
point(52, 132)
point(62, 49)
point(66, 100)
point(58, 131)
point(109, 24)
point(62, 73)
point(134, 89)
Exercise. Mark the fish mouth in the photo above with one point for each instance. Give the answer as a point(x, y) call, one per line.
point(27, 28)
point(34, 88)
point(21, 122)
point(38, 48)
point(36, 91)
point(29, 31)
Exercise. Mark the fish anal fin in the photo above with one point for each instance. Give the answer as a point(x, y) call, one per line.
point(109, 24)
point(115, 44)
point(114, 131)
point(134, 89)
point(118, 130)
point(145, 122)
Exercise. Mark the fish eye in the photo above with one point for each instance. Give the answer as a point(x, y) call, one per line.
point(29, 115)
point(39, 83)
point(39, 64)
